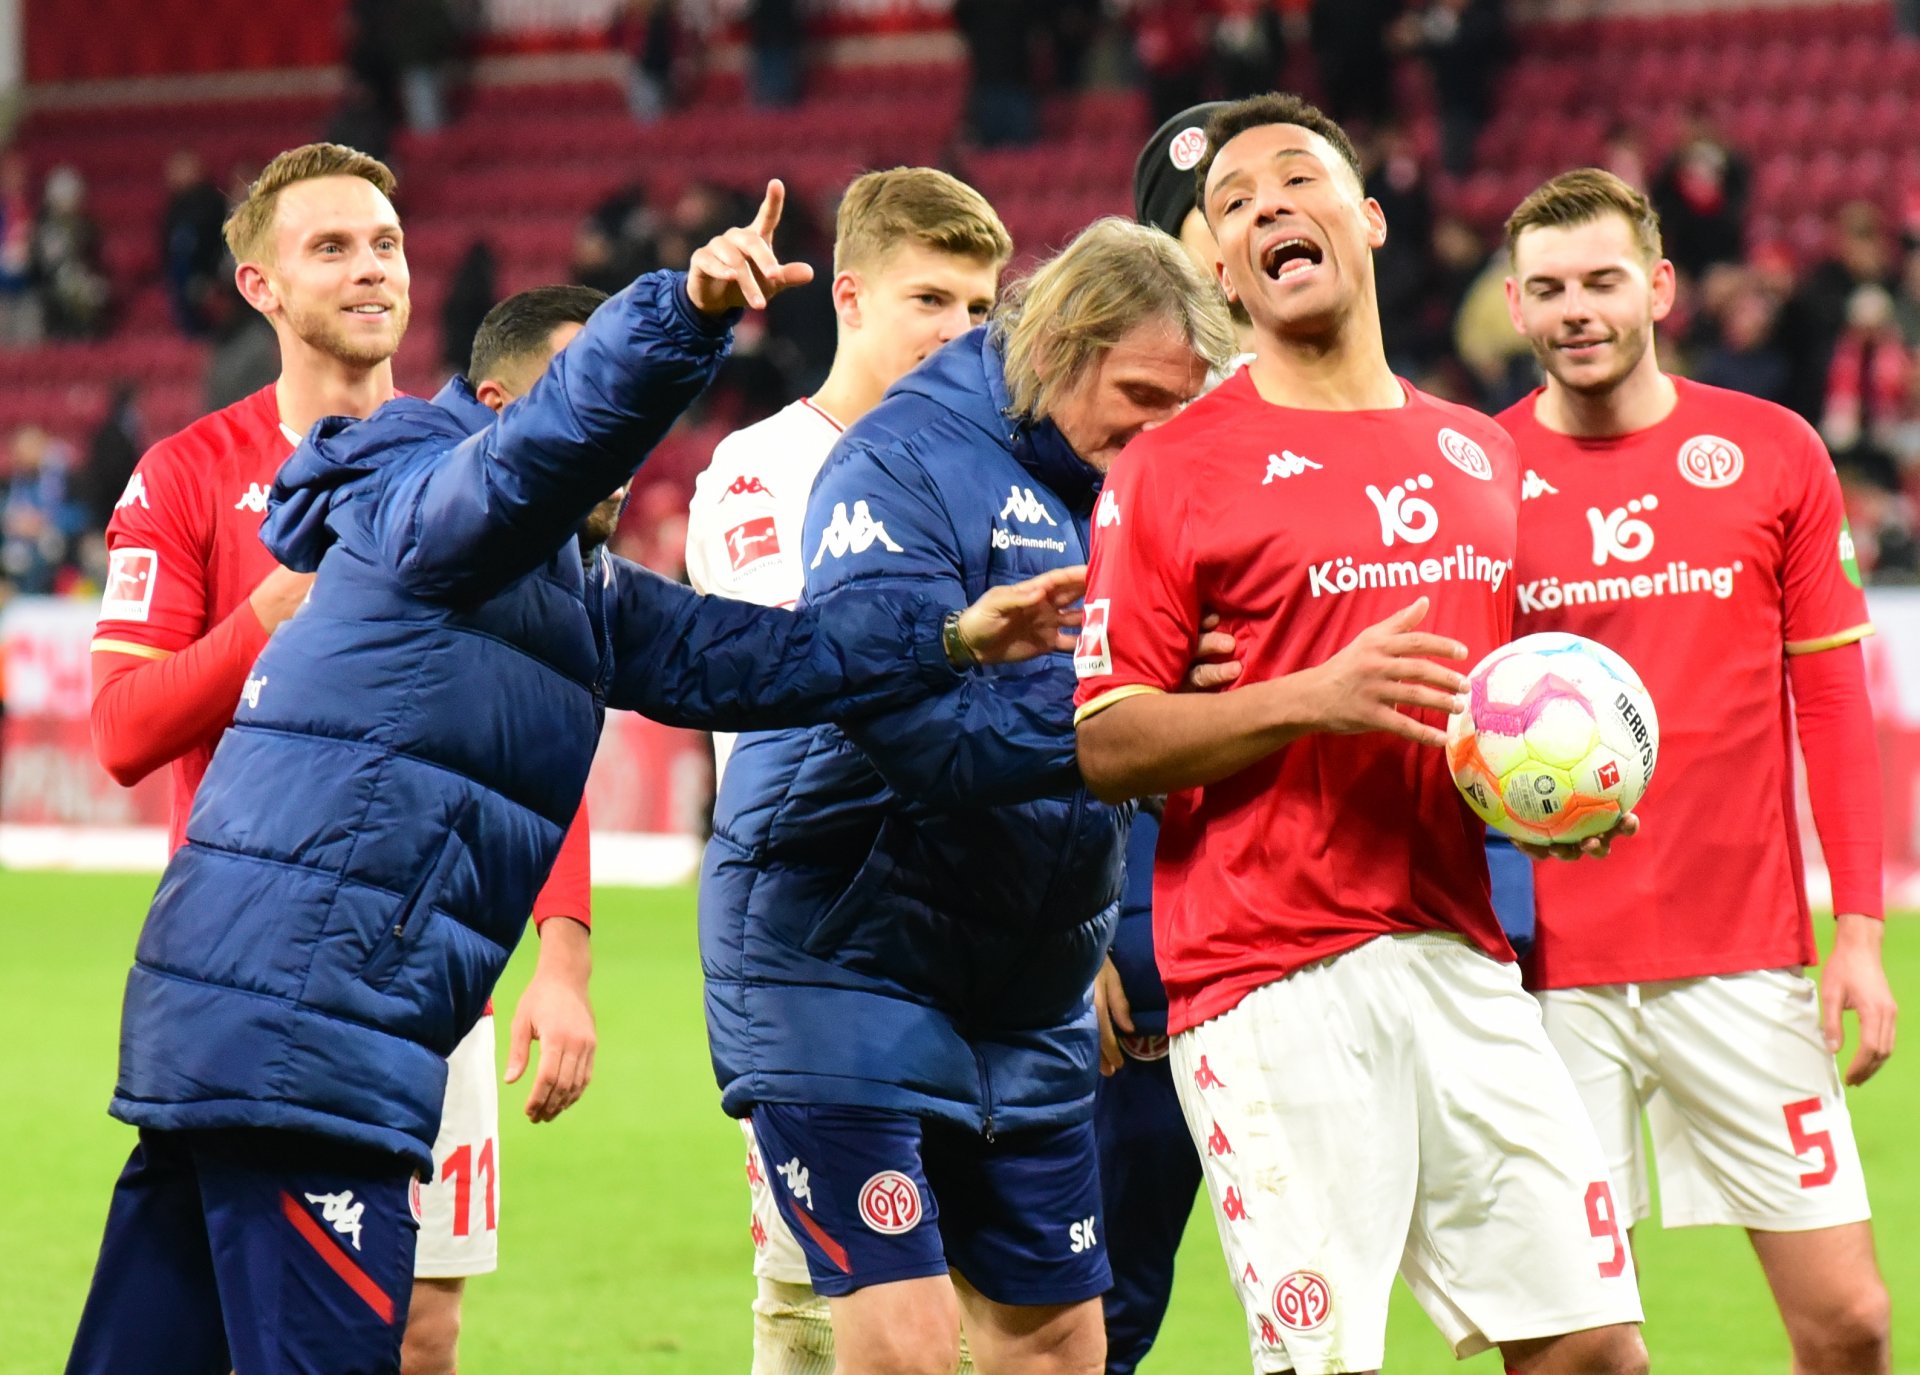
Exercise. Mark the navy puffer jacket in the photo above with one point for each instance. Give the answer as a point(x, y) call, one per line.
point(375, 824)
point(908, 912)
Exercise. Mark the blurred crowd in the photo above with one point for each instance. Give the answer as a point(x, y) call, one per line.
point(1837, 339)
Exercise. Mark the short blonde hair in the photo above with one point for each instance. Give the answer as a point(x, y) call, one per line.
point(249, 229)
point(882, 210)
point(1115, 276)
point(1582, 196)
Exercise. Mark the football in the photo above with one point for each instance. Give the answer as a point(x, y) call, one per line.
point(1558, 740)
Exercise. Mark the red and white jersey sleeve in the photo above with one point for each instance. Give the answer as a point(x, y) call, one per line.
point(1143, 604)
point(1704, 549)
point(749, 506)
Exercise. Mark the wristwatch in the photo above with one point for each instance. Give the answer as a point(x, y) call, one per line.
point(959, 653)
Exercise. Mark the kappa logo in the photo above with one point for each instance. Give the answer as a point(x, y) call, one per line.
point(1620, 534)
point(752, 541)
point(341, 1213)
point(1187, 148)
point(1466, 455)
point(1205, 1078)
point(1533, 487)
point(854, 535)
point(1023, 506)
point(1709, 461)
point(1404, 515)
point(136, 491)
point(1286, 464)
point(799, 1180)
point(253, 499)
point(889, 1203)
point(1109, 512)
point(1217, 1143)
point(250, 694)
point(744, 486)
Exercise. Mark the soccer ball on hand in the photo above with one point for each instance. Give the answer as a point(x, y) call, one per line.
point(1557, 742)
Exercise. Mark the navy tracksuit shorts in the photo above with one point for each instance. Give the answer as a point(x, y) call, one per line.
point(258, 1252)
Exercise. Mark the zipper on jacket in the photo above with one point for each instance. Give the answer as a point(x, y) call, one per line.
point(986, 1097)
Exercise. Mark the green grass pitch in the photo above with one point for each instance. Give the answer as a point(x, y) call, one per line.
point(624, 1242)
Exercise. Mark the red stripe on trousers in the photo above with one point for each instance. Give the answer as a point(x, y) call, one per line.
point(835, 1251)
point(337, 1260)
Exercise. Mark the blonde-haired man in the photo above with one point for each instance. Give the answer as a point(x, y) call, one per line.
point(916, 263)
point(901, 919)
point(1700, 533)
point(193, 595)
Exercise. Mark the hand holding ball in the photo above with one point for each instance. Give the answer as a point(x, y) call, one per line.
point(1558, 740)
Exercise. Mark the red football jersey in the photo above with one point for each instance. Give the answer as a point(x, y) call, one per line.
point(1301, 529)
point(1703, 549)
point(183, 548)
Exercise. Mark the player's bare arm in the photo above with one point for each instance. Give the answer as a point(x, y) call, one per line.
point(739, 268)
point(1855, 978)
point(1154, 743)
point(556, 1011)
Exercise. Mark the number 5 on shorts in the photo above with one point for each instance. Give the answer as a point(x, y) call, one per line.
point(1602, 1221)
point(1805, 1141)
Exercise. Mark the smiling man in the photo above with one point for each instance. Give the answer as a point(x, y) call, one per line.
point(1692, 516)
point(1367, 1082)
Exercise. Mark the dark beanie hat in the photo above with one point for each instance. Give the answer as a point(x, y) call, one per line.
point(1163, 175)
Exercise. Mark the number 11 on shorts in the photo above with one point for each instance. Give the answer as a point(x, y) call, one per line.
point(459, 1168)
point(1603, 1222)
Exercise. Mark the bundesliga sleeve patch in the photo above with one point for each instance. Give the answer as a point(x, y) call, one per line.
point(1090, 656)
point(131, 574)
point(752, 541)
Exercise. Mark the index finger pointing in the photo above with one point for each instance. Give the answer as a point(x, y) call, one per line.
point(768, 217)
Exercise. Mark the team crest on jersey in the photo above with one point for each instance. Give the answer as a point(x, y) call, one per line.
point(131, 574)
point(852, 535)
point(1091, 658)
point(414, 1205)
point(1187, 148)
point(136, 491)
point(1466, 455)
point(890, 1204)
point(751, 542)
point(1302, 1301)
point(1709, 461)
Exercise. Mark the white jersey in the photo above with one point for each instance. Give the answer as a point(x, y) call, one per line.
point(744, 526)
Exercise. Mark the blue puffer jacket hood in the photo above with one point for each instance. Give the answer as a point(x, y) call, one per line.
point(907, 911)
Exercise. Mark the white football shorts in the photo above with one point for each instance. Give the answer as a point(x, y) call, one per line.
point(1750, 1127)
point(460, 1211)
point(776, 1254)
point(1399, 1107)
